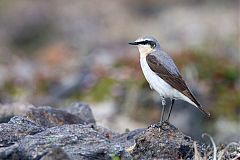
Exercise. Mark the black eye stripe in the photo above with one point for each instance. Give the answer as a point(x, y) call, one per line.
point(146, 42)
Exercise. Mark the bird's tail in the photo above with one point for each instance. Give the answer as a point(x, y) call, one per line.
point(203, 111)
point(191, 99)
point(199, 106)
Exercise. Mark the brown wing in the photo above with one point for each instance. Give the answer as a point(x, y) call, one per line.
point(174, 80)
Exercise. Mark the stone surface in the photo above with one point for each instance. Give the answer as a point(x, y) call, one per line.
point(17, 128)
point(76, 142)
point(56, 154)
point(10, 152)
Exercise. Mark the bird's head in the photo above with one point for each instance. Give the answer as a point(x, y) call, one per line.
point(146, 44)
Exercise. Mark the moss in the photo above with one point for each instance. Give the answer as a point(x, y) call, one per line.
point(231, 74)
point(115, 157)
point(11, 88)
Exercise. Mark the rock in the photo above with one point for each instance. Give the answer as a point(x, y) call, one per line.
point(9, 152)
point(128, 139)
point(163, 142)
point(83, 111)
point(46, 133)
point(78, 141)
point(56, 154)
point(49, 117)
point(17, 128)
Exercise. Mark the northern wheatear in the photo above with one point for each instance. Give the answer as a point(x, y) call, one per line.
point(163, 75)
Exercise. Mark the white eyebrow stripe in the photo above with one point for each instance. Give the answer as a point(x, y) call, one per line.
point(140, 40)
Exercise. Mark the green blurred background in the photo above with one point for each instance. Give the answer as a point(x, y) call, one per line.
point(58, 52)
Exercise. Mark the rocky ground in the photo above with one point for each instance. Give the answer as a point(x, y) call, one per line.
point(46, 133)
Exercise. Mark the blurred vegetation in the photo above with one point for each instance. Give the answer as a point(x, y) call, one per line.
point(101, 90)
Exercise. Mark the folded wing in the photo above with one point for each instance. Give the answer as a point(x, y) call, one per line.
point(173, 79)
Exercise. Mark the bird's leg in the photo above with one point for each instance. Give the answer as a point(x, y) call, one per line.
point(170, 110)
point(162, 114)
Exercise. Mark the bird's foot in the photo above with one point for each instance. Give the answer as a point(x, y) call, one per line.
point(164, 124)
point(161, 125)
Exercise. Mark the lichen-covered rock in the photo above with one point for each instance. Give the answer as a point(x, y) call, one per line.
point(56, 154)
point(17, 128)
point(77, 141)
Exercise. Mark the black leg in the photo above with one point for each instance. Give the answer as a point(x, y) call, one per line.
point(163, 109)
point(170, 110)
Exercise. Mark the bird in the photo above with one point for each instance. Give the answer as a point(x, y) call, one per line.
point(163, 75)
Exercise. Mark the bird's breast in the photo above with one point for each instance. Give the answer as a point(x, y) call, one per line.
point(157, 83)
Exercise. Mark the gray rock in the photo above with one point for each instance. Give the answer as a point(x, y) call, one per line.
point(9, 152)
point(17, 128)
point(56, 154)
point(46, 133)
point(163, 142)
point(78, 141)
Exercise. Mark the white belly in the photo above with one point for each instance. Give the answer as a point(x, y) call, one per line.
point(158, 84)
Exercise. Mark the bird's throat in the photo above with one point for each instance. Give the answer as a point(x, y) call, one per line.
point(144, 51)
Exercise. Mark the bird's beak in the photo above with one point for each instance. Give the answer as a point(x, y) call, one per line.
point(133, 43)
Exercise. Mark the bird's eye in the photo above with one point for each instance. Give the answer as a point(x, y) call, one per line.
point(152, 44)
